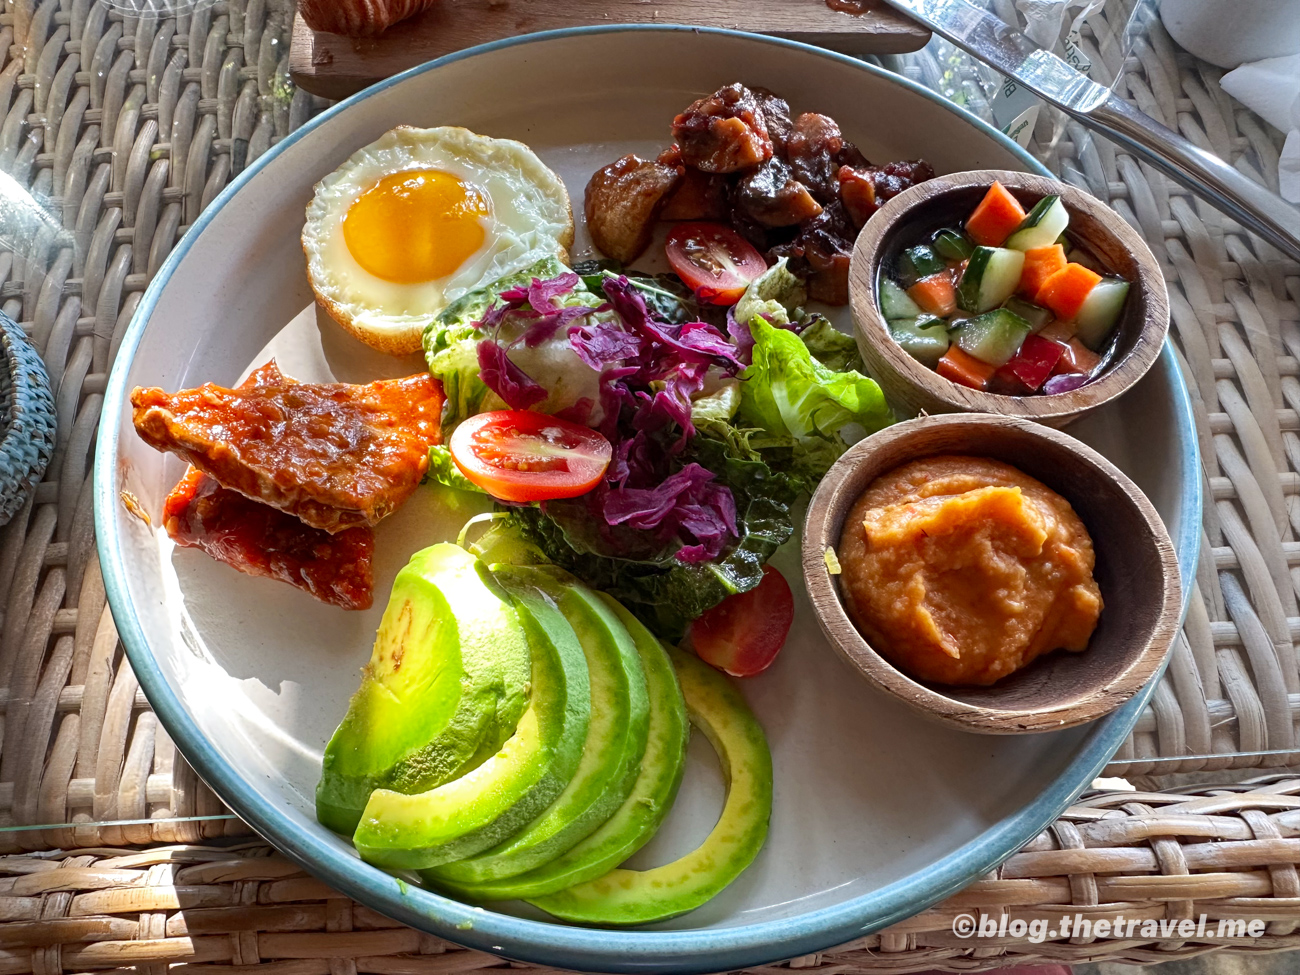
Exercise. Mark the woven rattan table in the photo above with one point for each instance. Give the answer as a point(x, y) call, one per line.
point(119, 858)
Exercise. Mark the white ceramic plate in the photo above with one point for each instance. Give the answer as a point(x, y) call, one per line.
point(877, 813)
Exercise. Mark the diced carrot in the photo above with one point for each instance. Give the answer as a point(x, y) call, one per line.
point(1058, 331)
point(1078, 358)
point(996, 218)
point(959, 367)
point(935, 294)
point(1040, 264)
point(1064, 292)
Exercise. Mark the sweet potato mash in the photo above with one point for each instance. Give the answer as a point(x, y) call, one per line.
point(961, 570)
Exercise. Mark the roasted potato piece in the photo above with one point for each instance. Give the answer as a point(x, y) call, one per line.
point(623, 202)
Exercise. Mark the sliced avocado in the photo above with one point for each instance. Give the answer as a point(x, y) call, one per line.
point(445, 686)
point(485, 806)
point(645, 808)
point(640, 896)
point(616, 736)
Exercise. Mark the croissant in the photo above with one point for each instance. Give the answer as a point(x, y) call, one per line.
point(358, 18)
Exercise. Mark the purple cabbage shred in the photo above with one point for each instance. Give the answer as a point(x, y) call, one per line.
point(650, 371)
point(507, 380)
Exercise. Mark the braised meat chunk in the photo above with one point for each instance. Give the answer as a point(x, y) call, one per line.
point(797, 189)
point(815, 143)
point(858, 193)
point(821, 253)
point(331, 454)
point(623, 202)
point(260, 540)
point(776, 113)
point(773, 197)
point(864, 189)
point(698, 196)
point(724, 133)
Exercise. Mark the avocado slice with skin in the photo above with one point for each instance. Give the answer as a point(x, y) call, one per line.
point(445, 686)
point(642, 812)
point(616, 735)
point(482, 808)
point(623, 897)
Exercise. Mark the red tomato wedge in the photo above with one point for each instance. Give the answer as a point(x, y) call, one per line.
point(715, 262)
point(743, 634)
point(520, 455)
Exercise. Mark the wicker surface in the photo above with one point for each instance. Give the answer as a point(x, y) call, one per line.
point(1140, 857)
point(128, 128)
point(1233, 687)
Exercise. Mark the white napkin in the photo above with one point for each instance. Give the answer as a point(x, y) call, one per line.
point(1271, 89)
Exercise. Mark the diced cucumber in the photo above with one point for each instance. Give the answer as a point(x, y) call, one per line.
point(1081, 255)
point(1036, 315)
point(925, 338)
point(894, 301)
point(917, 263)
point(923, 320)
point(953, 245)
point(991, 277)
point(1100, 312)
point(1041, 226)
point(993, 337)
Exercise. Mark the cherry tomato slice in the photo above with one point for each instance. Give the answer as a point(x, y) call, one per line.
point(714, 260)
point(520, 455)
point(743, 634)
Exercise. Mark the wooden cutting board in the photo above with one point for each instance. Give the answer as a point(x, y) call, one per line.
point(336, 66)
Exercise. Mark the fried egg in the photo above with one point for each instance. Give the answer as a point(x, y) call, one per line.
point(420, 217)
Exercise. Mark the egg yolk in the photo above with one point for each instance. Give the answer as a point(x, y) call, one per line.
point(415, 226)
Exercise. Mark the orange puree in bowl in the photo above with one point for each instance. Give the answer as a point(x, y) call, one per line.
point(961, 570)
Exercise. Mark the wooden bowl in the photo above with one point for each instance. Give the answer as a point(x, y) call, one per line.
point(1136, 570)
point(945, 201)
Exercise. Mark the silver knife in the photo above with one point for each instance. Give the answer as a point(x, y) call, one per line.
point(1016, 56)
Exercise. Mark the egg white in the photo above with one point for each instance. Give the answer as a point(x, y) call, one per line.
point(529, 218)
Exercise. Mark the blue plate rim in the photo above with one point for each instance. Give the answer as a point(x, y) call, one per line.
point(558, 945)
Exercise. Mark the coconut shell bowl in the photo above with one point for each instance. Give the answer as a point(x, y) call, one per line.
point(1136, 570)
point(913, 387)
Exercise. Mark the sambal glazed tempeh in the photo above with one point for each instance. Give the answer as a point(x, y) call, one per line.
point(332, 454)
point(259, 540)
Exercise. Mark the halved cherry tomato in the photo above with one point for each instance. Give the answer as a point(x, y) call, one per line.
point(520, 455)
point(743, 634)
point(713, 260)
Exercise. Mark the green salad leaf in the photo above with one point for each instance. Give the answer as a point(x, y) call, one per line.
point(776, 294)
point(451, 348)
point(831, 347)
point(444, 470)
point(803, 406)
point(666, 297)
point(664, 593)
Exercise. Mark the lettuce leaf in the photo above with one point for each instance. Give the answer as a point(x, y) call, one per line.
point(451, 350)
point(787, 393)
point(666, 296)
point(831, 347)
point(665, 593)
point(776, 294)
point(444, 470)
